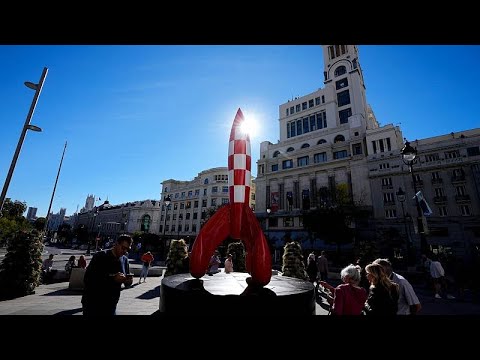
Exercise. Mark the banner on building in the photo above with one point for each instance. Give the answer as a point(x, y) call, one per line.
point(423, 204)
point(274, 198)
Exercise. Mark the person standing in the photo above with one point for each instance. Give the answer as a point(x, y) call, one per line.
point(229, 264)
point(147, 259)
point(311, 268)
point(104, 277)
point(322, 266)
point(383, 295)
point(70, 265)
point(408, 303)
point(82, 263)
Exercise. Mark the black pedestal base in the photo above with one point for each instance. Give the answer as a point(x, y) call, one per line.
point(229, 294)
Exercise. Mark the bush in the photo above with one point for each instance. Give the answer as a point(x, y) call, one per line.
point(21, 267)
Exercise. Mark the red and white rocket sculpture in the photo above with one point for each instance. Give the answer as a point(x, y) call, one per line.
point(235, 219)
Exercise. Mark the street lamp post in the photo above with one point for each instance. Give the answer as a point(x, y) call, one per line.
point(409, 157)
point(401, 197)
point(167, 202)
point(26, 126)
point(97, 239)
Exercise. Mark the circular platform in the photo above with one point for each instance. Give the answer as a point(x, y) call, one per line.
point(222, 293)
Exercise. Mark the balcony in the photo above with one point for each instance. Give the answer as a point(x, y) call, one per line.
point(418, 182)
point(387, 187)
point(440, 199)
point(458, 178)
point(437, 181)
point(462, 198)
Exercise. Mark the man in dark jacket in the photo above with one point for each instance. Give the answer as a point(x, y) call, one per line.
point(104, 277)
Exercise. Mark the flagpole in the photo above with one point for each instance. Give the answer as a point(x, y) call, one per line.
point(54, 188)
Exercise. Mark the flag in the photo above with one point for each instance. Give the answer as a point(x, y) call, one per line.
point(423, 204)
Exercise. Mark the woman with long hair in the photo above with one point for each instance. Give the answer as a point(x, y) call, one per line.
point(383, 293)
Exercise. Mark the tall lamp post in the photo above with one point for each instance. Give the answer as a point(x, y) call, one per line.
point(26, 126)
point(409, 157)
point(167, 201)
point(401, 197)
point(95, 213)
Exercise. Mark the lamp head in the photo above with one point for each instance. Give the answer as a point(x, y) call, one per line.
point(167, 201)
point(409, 153)
point(34, 128)
point(269, 210)
point(31, 85)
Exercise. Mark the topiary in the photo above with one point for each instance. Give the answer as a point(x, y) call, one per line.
point(237, 249)
point(177, 259)
point(293, 264)
point(21, 267)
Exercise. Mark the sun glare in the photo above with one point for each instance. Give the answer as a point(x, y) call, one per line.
point(250, 126)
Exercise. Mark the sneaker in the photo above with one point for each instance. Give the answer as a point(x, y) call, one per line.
point(437, 296)
point(450, 297)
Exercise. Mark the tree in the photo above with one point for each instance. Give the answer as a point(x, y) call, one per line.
point(335, 216)
point(21, 267)
point(39, 223)
point(12, 220)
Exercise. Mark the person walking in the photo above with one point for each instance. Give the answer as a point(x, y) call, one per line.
point(408, 303)
point(322, 265)
point(147, 259)
point(104, 277)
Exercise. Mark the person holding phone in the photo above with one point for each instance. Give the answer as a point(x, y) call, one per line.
point(104, 277)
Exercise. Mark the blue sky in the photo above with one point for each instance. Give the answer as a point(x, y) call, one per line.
point(135, 115)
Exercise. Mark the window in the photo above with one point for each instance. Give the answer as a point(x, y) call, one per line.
point(384, 166)
point(287, 221)
point(190, 193)
point(224, 189)
point(197, 192)
point(340, 71)
point(357, 149)
point(297, 108)
point(304, 105)
point(341, 83)
point(390, 213)
point(339, 138)
point(321, 141)
point(213, 202)
point(387, 181)
point(439, 192)
point(188, 204)
point(452, 154)
point(175, 206)
point(195, 216)
point(343, 98)
point(442, 211)
point(306, 145)
point(290, 149)
point(473, 151)
point(226, 200)
point(432, 157)
point(317, 100)
point(182, 206)
point(460, 190)
point(306, 127)
point(388, 198)
point(214, 189)
point(323, 99)
point(287, 164)
point(276, 153)
point(465, 210)
point(310, 103)
point(313, 123)
point(286, 114)
point(320, 157)
point(145, 223)
point(344, 115)
point(305, 199)
point(435, 175)
point(321, 120)
point(340, 154)
point(206, 181)
point(302, 161)
point(275, 167)
point(204, 203)
point(291, 110)
point(195, 204)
